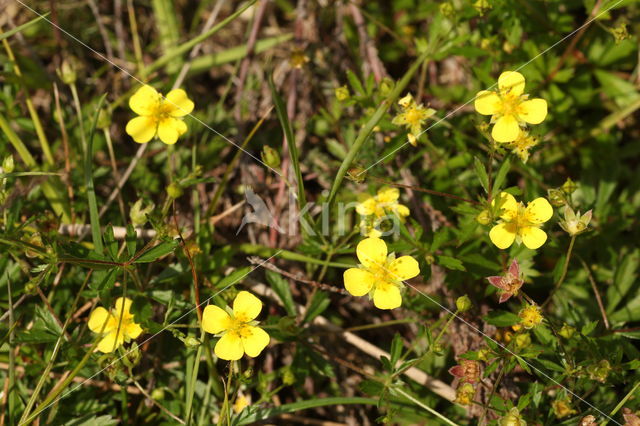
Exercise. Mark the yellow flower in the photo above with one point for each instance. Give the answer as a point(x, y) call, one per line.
point(241, 403)
point(377, 207)
point(509, 108)
point(379, 275)
point(239, 334)
point(562, 408)
point(512, 418)
point(116, 326)
point(465, 394)
point(530, 316)
point(412, 117)
point(158, 116)
point(520, 223)
point(523, 143)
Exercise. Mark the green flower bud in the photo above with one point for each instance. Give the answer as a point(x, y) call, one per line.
point(484, 354)
point(157, 394)
point(463, 303)
point(567, 331)
point(386, 86)
point(8, 164)
point(104, 119)
point(132, 356)
point(556, 197)
point(270, 157)
point(288, 378)
point(342, 93)
point(174, 191)
point(67, 72)
point(484, 217)
point(522, 340)
point(138, 215)
point(357, 174)
point(569, 187)
point(512, 418)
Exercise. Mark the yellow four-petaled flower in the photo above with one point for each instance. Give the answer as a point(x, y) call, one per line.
point(379, 275)
point(413, 116)
point(238, 330)
point(509, 108)
point(520, 223)
point(116, 326)
point(158, 116)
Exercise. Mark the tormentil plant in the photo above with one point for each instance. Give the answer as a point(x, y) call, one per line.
point(510, 109)
point(379, 275)
point(158, 116)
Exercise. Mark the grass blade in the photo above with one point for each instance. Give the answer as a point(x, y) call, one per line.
point(96, 234)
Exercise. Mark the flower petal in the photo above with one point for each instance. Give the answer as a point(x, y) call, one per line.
point(533, 237)
point(246, 306)
point(538, 211)
point(503, 235)
point(141, 129)
point(514, 268)
point(109, 343)
point(101, 321)
point(229, 347)
point(256, 340)
point(506, 129)
point(533, 111)
point(371, 252)
point(404, 268)
point(170, 129)
point(215, 320)
point(487, 102)
point(358, 282)
point(145, 101)
point(126, 312)
point(387, 296)
point(388, 195)
point(511, 82)
point(132, 330)
point(402, 210)
point(497, 282)
point(508, 205)
point(366, 206)
point(178, 103)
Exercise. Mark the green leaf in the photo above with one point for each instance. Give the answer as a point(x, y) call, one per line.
point(157, 252)
point(88, 180)
point(501, 318)
point(131, 240)
point(623, 279)
point(104, 280)
point(24, 26)
point(110, 242)
point(396, 349)
point(500, 177)
point(481, 173)
point(450, 263)
point(233, 277)
point(281, 287)
point(318, 304)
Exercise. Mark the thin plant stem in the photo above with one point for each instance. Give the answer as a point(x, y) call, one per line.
point(76, 103)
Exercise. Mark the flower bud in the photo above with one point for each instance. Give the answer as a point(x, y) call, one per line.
point(523, 340)
point(342, 93)
point(132, 356)
point(484, 217)
point(8, 164)
point(386, 86)
point(174, 191)
point(104, 119)
point(357, 174)
point(270, 157)
point(463, 303)
point(465, 394)
point(569, 187)
point(484, 354)
point(157, 394)
point(566, 331)
point(562, 408)
point(67, 72)
point(556, 197)
point(599, 371)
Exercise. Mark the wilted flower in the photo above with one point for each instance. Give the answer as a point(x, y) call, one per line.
point(413, 117)
point(589, 420)
point(342, 93)
point(377, 207)
point(508, 284)
point(562, 408)
point(599, 371)
point(138, 215)
point(630, 418)
point(241, 403)
point(530, 316)
point(512, 418)
point(573, 223)
point(465, 394)
point(467, 371)
point(523, 143)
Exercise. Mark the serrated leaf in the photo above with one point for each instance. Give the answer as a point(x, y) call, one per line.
point(131, 240)
point(110, 242)
point(481, 173)
point(450, 263)
point(318, 304)
point(157, 252)
point(501, 176)
point(281, 287)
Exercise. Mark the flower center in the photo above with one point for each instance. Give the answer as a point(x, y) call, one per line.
point(239, 327)
point(413, 116)
point(510, 104)
point(162, 110)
